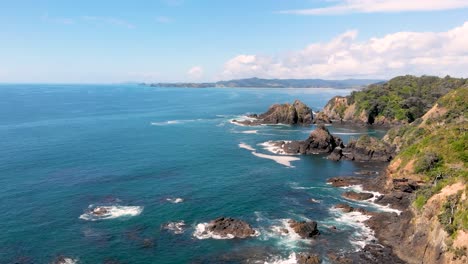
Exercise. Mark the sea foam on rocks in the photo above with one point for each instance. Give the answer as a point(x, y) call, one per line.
point(95, 213)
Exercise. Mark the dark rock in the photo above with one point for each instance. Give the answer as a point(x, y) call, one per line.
point(397, 199)
point(368, 148)
point(319, 141)
point(61, 260)
point(371, 253)
point(357, 195)
point(304, 258)
point(346, 208)
point(226, 226)
point(292, 114)
point(99, 211)
point(305, 229)
point(344, 181)
point(404, 185)
point(336, 154)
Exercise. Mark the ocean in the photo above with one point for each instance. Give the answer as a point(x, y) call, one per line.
point(163, 161)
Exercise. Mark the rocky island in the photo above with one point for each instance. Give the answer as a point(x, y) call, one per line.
point(296, 113)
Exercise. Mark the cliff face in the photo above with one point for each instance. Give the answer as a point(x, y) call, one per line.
point(433, 154)
point(399, 101)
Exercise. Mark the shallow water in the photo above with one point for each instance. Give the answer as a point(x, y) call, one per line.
point(65, 148)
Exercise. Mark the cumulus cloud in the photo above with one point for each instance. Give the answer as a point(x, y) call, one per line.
point(381, 6)
point(437, 53)
point(195, 72)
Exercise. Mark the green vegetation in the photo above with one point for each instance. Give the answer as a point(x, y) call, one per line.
point(438, 147)
point(403, 98)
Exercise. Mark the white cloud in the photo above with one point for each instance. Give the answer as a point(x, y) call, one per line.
point(195, 72)
point(381, 6)
point(437, 53)
point(57, 20)
point(109, 20)
point(163, 19)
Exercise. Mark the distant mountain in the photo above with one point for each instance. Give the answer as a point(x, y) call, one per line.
point(275, 83)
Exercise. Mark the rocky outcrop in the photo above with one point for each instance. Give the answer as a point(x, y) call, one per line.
point(319, 141)
point(344, 181)
point(303, 258)
point(305, 229)
point(291, 114)
point(366, 148)
point(336, 107)
point(358, 196)
point(230, 227)
point(322, 118)
point(346, 208)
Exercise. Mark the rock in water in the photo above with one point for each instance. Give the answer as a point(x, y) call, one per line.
point(291, 114)
point(99, 211)
point(226, 226)
point(304, 258)
point(319, 141)
point(305, 229)
point(336, 154)
point(358, 195)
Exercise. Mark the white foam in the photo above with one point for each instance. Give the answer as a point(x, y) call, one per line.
point(175, 200)
point(176, 227)
point(292, 259)
point(250, 132)
point(371, 201)
point(201, 232)
point(364, 235)
point(112, 212)
point(284, 236)
point(240, 119)
point(67, 261)
point(283, 160)
point(274, 148)
point(245, 146)
point(174, 122)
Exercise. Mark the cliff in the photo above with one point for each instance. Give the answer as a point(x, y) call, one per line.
point(433, 155)
point(401, 100)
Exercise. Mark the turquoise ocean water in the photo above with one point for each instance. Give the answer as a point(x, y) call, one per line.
point(136, 149)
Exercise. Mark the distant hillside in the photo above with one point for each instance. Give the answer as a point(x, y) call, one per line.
point(400, 100)
point(275, 83)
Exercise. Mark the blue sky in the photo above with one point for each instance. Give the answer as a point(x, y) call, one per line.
point(197, 40)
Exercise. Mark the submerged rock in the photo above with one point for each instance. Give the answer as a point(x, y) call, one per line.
point(291, 114)
point(305, 229)
point(226, 226)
